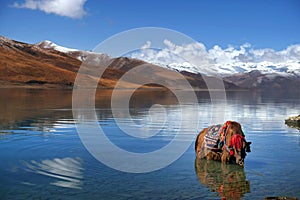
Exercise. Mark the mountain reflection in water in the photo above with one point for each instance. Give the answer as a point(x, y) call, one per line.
point(22, 107)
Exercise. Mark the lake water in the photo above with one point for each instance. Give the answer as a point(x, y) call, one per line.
point(42, 157)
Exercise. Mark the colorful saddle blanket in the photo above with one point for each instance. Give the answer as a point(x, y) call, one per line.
point(210, 139)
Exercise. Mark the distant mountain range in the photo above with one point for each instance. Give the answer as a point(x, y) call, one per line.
point(46, 64)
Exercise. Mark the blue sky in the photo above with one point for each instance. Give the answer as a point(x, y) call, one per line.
point(82, 24)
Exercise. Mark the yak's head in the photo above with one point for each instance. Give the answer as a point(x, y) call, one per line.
point(236, 145)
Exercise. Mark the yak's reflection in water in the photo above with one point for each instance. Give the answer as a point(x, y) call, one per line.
point(227, 180)
point(66, 172)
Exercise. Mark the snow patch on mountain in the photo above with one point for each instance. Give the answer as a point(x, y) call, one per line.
point(78, 54)
point(50, 45)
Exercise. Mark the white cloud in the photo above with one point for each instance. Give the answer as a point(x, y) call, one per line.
point(67, 8)
point(195, 52)
point(147, 45)
point(230, 54)
point(243, 54)
point(291, 53)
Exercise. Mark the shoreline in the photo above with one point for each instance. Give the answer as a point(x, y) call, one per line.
point(5, 85)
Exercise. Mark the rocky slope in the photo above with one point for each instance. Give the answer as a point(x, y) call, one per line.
point(266, 82)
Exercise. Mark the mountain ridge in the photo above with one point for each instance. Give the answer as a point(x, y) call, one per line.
point(48, 64)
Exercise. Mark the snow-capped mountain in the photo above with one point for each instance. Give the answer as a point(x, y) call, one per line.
point(288, 68)
point(263, 75)
point(265, 67)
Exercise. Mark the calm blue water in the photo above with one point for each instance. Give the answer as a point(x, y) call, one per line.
point(42, 157)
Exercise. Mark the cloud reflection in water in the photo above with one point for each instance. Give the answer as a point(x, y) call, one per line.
point(67, 172)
